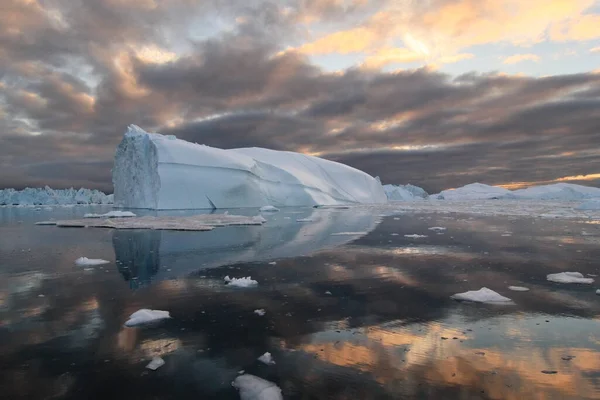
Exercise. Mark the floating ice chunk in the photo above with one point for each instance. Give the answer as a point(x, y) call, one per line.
point(254, 388)
point(156, 363)
point(46, 223)
point(146, 316)
point(260, 312)
point(111, 214)
point(86, 262)
point(240, 282)
point(269, 209)
point(518, 288)
point(203, 222)
point(473, 191)
point(304, 220)
point(404, 192)
point(266, 358)
point(437, 228)
point(328, 293)
point(415, 236)
point(349, 233)
point(483, 295)
point(598, 292)
point(568, 277)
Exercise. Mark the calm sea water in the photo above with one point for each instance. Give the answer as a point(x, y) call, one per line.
point(365, 314)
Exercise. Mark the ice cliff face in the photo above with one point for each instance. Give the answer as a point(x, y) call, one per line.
point(161, 172)
point(49, 196)
point(405, 192)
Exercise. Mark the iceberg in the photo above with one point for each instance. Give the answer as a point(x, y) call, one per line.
point(558, 191)
point(153, 171)
point(474, 191)
point(589, 205)
point(266, 358)
point(86, 262)
point(49, 196)
point(243, 282)
point(404, 192)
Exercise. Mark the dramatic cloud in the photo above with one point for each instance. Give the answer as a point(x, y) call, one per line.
point(74, 74)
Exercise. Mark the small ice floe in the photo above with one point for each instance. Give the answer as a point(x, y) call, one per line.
point(86, 262)
point(156, 363)
point(260, 312)
point(349, 233)
point(268, 209)
point(146, 316)
point(111, 214)
point(518, 288)
point(241, 282)
point(415, 236)
point(483, 295)
point(437, 228)
point(328, 293)
point(395, 234)
point(568, 277)
point(266, 358)
point(506, 234)
point(598, 292)
point(254, 388)
point(46, 223)
point(273, 263)
point(304, 220)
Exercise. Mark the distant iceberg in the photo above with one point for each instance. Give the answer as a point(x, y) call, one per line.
point(153, 171)
point(474, 191)
point(404, 192)
point(557, 191)
point(49, 196)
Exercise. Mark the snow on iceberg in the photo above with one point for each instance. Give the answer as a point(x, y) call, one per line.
point(254, 388)
point(157, 172)
point(483, 295)
point(241, 282)
point(474, 191)
point(86, 262)
point(146, 316)
point(111, 214)
point(49, 196)
point(404, 192)
point(558, 191)
point(568, 277)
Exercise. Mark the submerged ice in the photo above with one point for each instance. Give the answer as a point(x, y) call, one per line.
point(159, 172)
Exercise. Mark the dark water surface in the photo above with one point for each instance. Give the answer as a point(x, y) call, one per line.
point(387, 330)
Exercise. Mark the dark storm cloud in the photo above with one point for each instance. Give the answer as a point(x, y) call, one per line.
point(75, 77)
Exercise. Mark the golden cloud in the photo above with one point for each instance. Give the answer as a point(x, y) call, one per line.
point(517, 58)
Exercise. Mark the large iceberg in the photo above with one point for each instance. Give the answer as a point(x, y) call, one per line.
point(162, 172)
point(49, 196)
point(404, 192)
point(558, 191)
point(474, 191)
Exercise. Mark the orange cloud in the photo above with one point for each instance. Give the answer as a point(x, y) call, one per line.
point(581, 28)
point(344, 42)
point(517, 58)
point(520, 185)
point(455, 58)
point(392, 55)
point(595, 50)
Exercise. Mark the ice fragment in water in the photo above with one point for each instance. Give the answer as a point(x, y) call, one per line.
point(145, 316)
point(111, 214)
point(483, 295)
point(518, 288)
point(568, 277)
point(84, 261)
point(266, 358)
point(240, 282)
point(254, 388)
point(156, 363)
point(269, 209)
point(415, 236)
point(260, 312)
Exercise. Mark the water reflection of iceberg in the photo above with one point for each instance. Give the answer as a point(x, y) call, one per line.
point(145, 255)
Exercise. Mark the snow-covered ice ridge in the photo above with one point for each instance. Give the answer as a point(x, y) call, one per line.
point(49, 196)
point(153, 171)
point(558, 191)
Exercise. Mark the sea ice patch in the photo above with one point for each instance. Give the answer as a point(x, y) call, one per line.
point(260, 312)
point(483, 295)
point(437, 228)
point(568, 277)
point(146, 316)
point(415, 236)
point(156, 363)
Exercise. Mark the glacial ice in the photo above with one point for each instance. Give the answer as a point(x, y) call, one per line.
point(558, 191)
point(518, 288)
point(146, 316)
point(415, 236)
point(483, 295)
point(260, 312)
point(241, 282)
point(473, 191)
point(589, 205)
point(156, 172)
point(569, 277)
point(404, 192)
point(254, 388)
point(155, 364)
point(269, 209)
point(49, 196)
point(266, 358)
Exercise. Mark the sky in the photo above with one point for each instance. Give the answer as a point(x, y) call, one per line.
point(437, 93)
